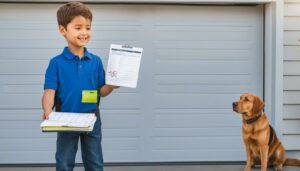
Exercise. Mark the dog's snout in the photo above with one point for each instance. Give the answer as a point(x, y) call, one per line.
point(234, 104)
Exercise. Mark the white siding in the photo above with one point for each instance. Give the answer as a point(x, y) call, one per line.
point(291, 76)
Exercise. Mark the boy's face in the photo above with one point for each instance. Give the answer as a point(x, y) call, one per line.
point(78, 32)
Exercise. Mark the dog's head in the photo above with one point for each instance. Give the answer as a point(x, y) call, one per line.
point(249, 104)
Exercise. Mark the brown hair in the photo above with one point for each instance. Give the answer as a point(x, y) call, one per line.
point(67, 12)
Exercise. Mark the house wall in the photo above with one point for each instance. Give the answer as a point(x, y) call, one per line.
point(291, 76)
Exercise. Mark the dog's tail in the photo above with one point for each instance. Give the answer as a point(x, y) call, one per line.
point(292, 162)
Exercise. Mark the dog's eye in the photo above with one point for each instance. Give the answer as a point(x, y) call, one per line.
point(246, 100)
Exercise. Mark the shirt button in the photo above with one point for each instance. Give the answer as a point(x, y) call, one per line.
point(80, 66)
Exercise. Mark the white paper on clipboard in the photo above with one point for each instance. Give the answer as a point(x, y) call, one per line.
point(123, 66)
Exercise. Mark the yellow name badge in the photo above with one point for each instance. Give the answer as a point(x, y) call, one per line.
point(89, 96)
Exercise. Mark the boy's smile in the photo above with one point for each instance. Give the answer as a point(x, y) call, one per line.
point(77, 33)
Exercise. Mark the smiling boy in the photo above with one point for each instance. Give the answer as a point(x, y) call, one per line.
point(68, 76)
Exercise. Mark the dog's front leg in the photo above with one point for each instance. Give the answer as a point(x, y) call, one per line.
point(249, 157)
point(264, 149)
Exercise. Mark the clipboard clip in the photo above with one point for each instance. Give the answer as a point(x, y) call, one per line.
point(127, 46)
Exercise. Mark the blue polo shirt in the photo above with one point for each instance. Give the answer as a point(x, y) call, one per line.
point(68, 75)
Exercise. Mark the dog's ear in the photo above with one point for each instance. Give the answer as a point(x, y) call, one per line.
point(258, 105)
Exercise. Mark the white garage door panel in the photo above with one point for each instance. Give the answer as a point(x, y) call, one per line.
point(196, 62)
point(122, 155)
point(202, 67)
point(194, 100)
point(196, 132)
point(21, 114)
point(194, 121)
point(204, 45)
point(200, 88)
point(34, 44)
point(205, 59)
point(9, 101)
point(27, 146)
point(203, 79)
point(30, 89)
point(28, 54)
point(194, 143)
point(205, 35)
point(23, 67)
point(128, 120)
point(23, 133)
point(13, 157)
point(193, 155)
point(123, 100)
point(208, 54)
point(30, 33)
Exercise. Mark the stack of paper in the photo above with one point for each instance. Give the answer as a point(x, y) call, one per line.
point(62, 121)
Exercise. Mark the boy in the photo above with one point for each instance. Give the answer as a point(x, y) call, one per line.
point(68, 76)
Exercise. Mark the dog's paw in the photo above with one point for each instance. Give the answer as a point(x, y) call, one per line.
point(278, 168)
point(247, 168)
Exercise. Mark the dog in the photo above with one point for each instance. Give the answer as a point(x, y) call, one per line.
point(261, 143)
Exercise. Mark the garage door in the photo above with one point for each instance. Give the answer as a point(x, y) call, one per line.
point(196, 61)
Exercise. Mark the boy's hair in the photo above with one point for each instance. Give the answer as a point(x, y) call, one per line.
point(67, 12)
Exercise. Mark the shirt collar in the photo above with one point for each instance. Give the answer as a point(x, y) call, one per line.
point(69, 55)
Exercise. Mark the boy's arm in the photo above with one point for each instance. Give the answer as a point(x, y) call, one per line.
point(107, 89)
point(48, 102)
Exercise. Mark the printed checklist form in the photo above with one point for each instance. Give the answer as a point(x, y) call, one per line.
point(123, 66)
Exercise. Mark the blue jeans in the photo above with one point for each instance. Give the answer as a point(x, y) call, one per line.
point(67, 145)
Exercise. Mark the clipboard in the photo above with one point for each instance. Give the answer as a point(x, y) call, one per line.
point(123, 65)
point(69, 122)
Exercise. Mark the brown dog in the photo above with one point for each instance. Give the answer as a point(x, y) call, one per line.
point(262, 145)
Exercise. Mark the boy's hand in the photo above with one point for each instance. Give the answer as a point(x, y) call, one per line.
point(46, 114)
point(114, 87)
point(107, 89)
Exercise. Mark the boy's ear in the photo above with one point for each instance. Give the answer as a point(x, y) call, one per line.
point(62, 30)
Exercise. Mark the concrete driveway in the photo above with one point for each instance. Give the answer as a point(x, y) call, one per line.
point(152, 168)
